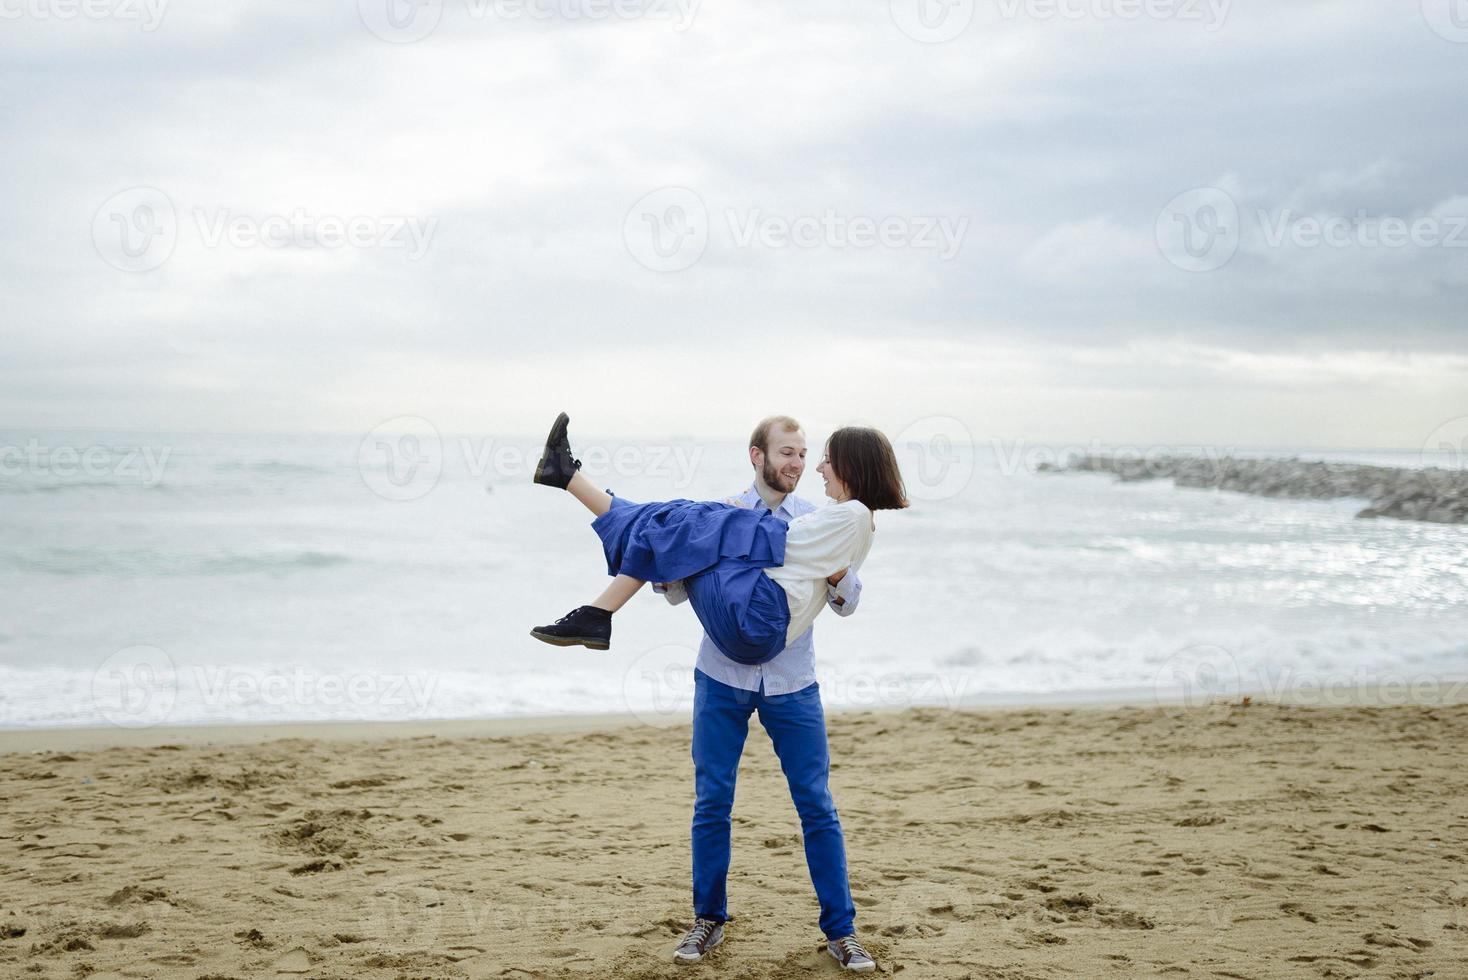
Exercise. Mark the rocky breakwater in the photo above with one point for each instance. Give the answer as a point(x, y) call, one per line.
point(1436, 495)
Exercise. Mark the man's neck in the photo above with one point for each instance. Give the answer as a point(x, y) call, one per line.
point(772, 498)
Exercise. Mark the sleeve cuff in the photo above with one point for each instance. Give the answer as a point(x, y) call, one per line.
point(846, 590)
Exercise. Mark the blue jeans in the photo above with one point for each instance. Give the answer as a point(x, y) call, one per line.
point(797, 728)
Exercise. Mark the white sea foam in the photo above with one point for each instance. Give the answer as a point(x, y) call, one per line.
point(302, 578)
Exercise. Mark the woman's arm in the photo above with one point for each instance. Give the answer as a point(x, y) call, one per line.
point(824, 543)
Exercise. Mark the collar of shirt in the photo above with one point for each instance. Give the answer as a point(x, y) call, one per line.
point(789, 507)
point(784, 509)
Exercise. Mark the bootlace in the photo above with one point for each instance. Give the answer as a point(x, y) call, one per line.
point(852, 948)
point(699, 932)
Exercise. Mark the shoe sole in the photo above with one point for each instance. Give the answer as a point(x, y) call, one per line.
point(851, 969)
point(557, 433)
point(680, 958)
point(571, 641)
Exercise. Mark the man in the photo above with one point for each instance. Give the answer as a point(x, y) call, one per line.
point(784, 692)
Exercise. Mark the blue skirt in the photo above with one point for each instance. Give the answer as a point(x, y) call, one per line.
point(718, 551)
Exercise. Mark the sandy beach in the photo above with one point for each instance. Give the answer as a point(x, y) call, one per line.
point(1229, 841)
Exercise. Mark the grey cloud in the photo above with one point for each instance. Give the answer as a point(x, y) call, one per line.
point(528, 144)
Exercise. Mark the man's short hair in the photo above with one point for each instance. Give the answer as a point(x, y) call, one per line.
point(760, 439)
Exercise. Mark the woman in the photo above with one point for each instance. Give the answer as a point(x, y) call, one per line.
point(754, 582)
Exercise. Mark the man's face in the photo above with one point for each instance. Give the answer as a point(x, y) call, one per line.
point(781, 467)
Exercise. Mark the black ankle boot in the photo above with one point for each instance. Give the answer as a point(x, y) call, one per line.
point(587, 626)
point(556, 466)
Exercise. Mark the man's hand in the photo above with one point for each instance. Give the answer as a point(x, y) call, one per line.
point(835, 580)
point(674, 592)
point(844, 597)
point(736, 502)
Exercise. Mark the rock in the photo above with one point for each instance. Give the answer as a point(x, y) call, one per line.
point(1432, 495)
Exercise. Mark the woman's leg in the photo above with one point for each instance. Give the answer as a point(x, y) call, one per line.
point(597, 500)
point(623, 588)
point(591, 625)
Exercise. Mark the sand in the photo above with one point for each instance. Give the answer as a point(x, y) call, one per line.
point(1246, 842)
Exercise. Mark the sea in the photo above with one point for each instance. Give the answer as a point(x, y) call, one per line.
point(167, 578)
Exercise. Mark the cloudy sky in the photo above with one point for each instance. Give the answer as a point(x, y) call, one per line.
point(1160, 220)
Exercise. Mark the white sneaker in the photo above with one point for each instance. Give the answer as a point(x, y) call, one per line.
point(704, 936)
point(850, 955)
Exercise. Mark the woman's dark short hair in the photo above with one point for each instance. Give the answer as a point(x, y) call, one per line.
point(863, 460)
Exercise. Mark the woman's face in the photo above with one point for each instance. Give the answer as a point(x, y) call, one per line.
point(835, 489)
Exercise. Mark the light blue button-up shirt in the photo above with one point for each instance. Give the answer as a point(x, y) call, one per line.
point(793, 668)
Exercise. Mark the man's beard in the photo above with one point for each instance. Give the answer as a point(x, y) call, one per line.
point(776, 480)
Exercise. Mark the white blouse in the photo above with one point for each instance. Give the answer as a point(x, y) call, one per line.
point(819, 545)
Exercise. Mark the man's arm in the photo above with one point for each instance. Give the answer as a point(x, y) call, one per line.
point(843, 595)
point(674, 592)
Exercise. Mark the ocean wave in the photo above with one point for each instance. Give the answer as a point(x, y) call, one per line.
point(63, 486)
point(77, 561)
point(281, 466)
point(244, 564)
